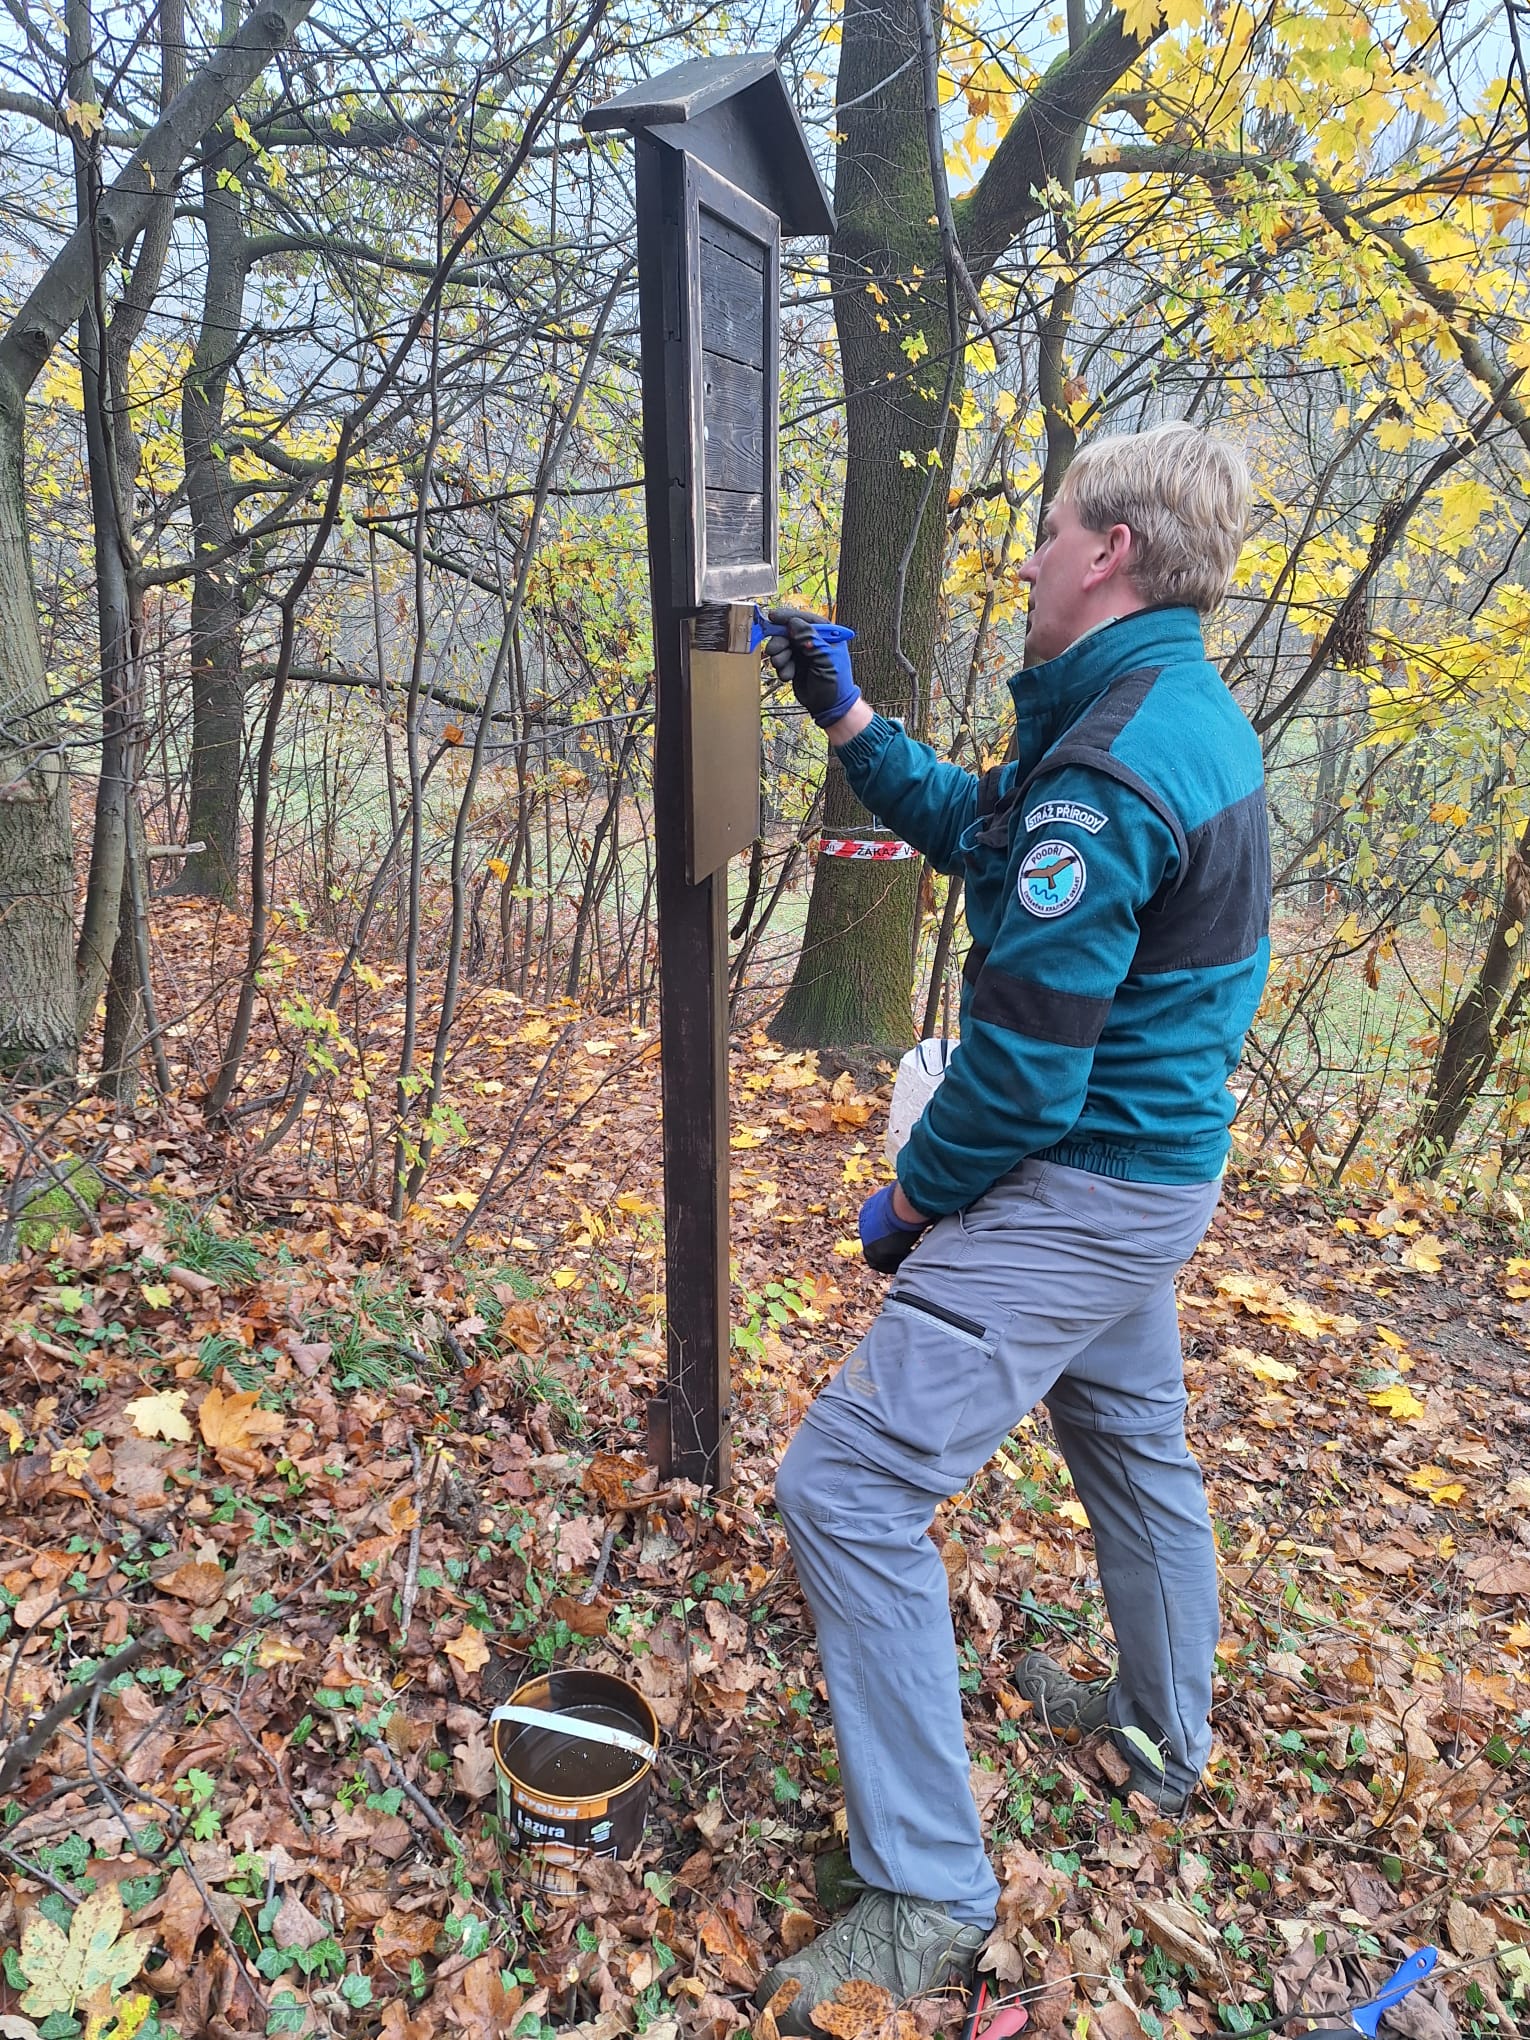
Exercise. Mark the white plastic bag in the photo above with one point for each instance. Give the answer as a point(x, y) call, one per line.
point(920, 1075)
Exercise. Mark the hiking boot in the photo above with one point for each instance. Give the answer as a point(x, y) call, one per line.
point(1063, 1705)
point(905, 1944)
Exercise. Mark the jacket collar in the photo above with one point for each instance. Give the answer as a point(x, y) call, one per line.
point(1048, 697)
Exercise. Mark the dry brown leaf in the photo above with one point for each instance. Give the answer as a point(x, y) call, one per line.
point(1498, 1572)
point(860, 2010)
point(480, 2006)
point(404, 1937)
point(197, 1581)
point(1468, 1931)
point(181, 1919)
point(722, 1934)
point(233, 1422)
point(205, 1999)
point(397, 2024)
point(1033, 1890)
point(295, 1926)
point(1181, 1934)
point(796, 1929)
point(1116, 2021)
point(578, 1542)
point(585, 1618)
point(609, 1478)
point(469, 1650)
point(856, 2007)
point(473, 1768)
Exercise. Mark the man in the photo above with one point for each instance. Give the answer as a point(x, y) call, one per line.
point(1118, 884)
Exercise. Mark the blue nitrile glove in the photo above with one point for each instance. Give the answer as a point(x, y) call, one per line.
point(886, 1240)
point(813, 655)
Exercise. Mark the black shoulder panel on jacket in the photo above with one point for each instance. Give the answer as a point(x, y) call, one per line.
point(1220, 912)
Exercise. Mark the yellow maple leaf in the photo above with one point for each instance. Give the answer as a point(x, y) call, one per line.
point(469, 1650)
point(95, 1958)
point(1261, 1365)
point(1140, 16)
point(1437, 1484)
point(1396, 1400)
point(749, 1137)
point(161, 1416)
point(640, 1207)
point(1423, 1255)
point(233, 1423)
point(156, 1295)
point(71, 1459)
point(564, 1278)
point(848, 1249)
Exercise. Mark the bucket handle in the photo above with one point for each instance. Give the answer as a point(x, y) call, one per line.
point(580, 1731)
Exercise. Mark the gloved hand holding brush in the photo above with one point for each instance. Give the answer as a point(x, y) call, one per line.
point(813, 656)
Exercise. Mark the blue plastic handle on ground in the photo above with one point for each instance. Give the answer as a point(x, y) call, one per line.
point(1418, 1965)
point(834, 638)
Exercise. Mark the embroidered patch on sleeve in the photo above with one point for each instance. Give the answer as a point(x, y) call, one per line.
point(1052, 879)
point(1051, 812)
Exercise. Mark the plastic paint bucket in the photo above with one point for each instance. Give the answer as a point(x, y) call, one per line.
point(574, 1754)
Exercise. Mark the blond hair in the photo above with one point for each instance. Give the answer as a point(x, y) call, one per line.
point(1184, 495)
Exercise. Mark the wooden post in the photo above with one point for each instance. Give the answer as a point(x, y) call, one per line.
point(688, 1432)
point(721, 166)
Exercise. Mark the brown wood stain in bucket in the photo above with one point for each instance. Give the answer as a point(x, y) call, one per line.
point(556, 1765)
point(562, 1799)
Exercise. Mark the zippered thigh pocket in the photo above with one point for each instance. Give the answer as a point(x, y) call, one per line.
point(951, 1320)
point(915, 1371)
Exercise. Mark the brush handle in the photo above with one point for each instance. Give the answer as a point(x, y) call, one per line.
point(1412, 1973)
point(831, 642)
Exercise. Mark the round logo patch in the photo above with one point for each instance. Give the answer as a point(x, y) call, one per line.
point(1051, 879)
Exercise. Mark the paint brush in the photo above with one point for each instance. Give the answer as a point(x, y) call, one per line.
point(744, 627)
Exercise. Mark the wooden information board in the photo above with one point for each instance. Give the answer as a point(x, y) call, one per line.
point(722, 169)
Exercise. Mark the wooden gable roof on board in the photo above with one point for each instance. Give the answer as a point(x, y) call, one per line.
point(735, 115)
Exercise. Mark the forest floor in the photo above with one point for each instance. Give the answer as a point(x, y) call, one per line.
point(338, 1485)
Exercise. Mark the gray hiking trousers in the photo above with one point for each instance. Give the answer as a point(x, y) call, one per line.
point(1057, 1285)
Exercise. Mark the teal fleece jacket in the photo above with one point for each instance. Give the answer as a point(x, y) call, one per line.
point(1118, 895)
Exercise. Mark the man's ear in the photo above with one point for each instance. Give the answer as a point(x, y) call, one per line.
point(1109, 556)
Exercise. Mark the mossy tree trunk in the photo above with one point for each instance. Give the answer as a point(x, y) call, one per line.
point(854, 978)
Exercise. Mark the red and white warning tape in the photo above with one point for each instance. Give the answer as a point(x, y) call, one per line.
point(876, 847)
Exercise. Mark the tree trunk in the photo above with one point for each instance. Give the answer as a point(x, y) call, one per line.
point(217, 613)
point(122, 1034)
point(38, 1040)
point(854, 977)
point(108, 847)
point(1472, 1039)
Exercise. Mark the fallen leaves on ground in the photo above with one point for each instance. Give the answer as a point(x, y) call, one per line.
point(362, 1486)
